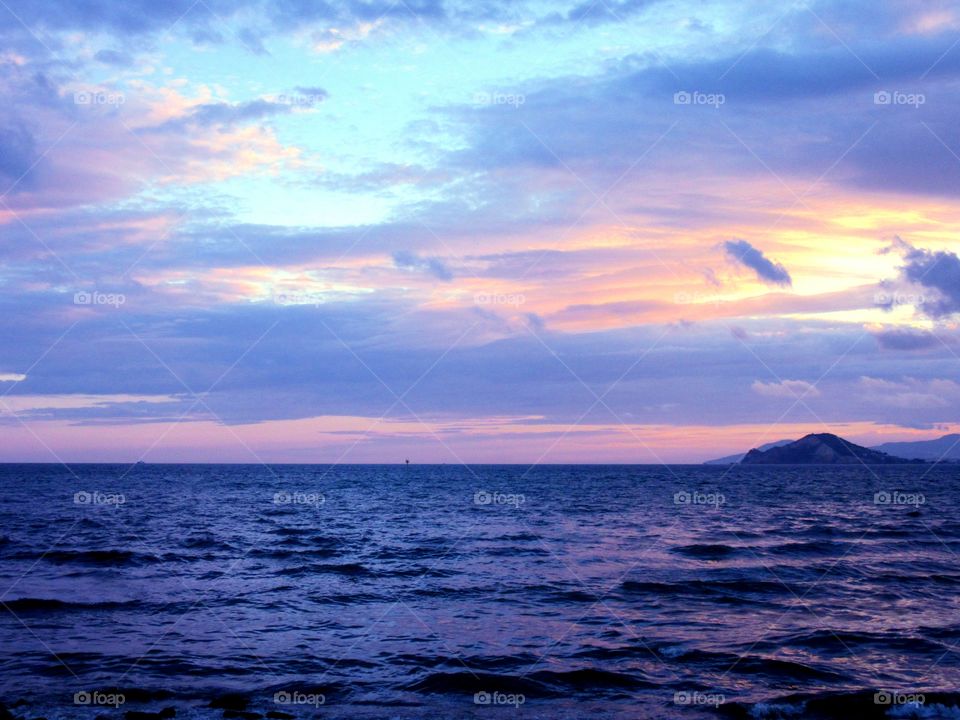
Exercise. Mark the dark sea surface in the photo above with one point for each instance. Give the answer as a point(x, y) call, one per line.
point(482, 592)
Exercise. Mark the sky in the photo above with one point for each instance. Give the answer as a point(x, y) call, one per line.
point(634, 231)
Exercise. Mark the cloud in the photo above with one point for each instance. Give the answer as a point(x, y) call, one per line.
point(18, 152)
point(12, 377)
point(910, 393)
point(937, 270)
point(906, 339)
point(114, 57)
point(230, 114)
point(599, 12)
point(789, 389)
point(433, 266)
point(742, 252)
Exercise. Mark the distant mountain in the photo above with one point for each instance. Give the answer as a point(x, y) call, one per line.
point(821, 449)
point(945, 448)
point(734, 459)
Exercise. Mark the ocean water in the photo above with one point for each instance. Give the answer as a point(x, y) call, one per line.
point(481, 592)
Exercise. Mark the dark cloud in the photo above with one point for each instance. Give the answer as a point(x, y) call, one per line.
point(312, 91)
point(742, 252)
point(433, 266)
point(18, 153)
point(604, 11)
point(938, 271)
point(906, 339)
point(114, 57)
point(231, 114)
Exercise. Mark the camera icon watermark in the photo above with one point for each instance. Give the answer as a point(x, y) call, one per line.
point(896, 97)
point(510, 299)
point(98, 97)
point(714, 100)
point(895, 497)
point(499, 698)
point(894, 299)
point(686, 497)
point(494, 497)
point(297, 298)
point(96, 298)
point(896, 697)
point(499, 98)
point(98, 498)
point(295, 697)
point(312, 499)
point(301, 100)
point(697, 298)
point(698, 698)
point(95, 697)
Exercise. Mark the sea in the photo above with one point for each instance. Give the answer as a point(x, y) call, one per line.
point(451, 591)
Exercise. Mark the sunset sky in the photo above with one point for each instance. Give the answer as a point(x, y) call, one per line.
point(508, 231)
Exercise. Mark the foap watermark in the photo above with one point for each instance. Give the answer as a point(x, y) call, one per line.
point(897, 97)
point(696, 298)
point(684, 97)
point(95, 697)
point(295, 697)
point(895, 497)
point(898, 299)
point(498, 698)
point(897, 697)
point(684, 497)
point(494, 497)
point(511, 299)
point(499, 98)
point(696, 697)
point(98, 498)
point(313, 499)
point(95, 297)
point(304, 100)
point(296, 298)
point(98, 97)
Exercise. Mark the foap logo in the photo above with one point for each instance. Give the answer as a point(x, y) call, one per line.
point(488, 497)
point(98, 97)
point(898, 299)
point(510, 299)
point(695, 697)
point(98, 298)
point(294, 697)
point(304, 100)
point(714, 100)
point(696, 298)
point(296, 298)
point(499, 698)
point(98, 498)
point(895, 497)
point(298, 498)
point(696, 497)
point(98, 698)
point(896, 697)
point(499, 98)
point(896, 97)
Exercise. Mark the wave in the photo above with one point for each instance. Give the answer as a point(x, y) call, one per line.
point(813, 547)
point(707, 551)
point(591, 679)
point(843, 705)
point(467, 683)
point(844, 642)
point(29, 605)
point(348, 569)
point(93, 557)
point(734, 589)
